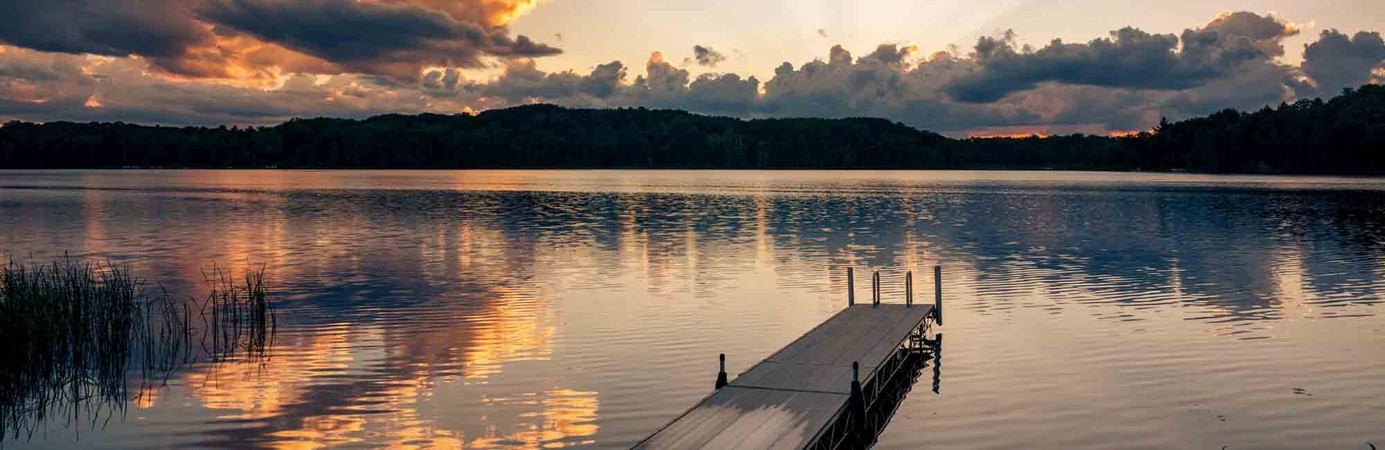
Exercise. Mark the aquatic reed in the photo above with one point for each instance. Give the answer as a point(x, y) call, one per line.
point(238, 313)
point(72, 332)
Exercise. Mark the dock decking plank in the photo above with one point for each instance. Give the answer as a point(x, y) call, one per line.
point(733, 414)
point(875, 347)
point(849, 344)
point(774, 375)
point(783, 401)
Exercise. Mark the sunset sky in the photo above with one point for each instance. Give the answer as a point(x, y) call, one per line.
point(960, 67)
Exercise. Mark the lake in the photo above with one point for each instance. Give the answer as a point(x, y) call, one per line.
point(539, 309)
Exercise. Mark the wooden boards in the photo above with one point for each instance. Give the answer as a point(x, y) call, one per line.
point(785, 400)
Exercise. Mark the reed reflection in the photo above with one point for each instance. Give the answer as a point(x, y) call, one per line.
point(81, 336)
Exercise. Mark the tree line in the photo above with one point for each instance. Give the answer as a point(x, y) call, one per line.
point(1343, 135)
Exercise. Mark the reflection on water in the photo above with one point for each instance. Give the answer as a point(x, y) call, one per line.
point(896, 389)
point(546, 309)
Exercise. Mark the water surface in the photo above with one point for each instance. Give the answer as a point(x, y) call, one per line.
point(586, 308)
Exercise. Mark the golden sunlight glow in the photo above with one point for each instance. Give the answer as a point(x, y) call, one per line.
point(148, 395)
point(241, 60)
point(1287, 269)
point(493, 13)
point(507, 11)
point(565, 414)
point(272, 389)
point(260, 389)
point(514, 331)
point(909, 51)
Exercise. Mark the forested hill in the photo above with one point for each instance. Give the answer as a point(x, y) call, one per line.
point(1345, 135)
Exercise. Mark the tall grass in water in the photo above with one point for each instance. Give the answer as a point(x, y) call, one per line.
point(67, 329)
point(72, 331)
point(238, 313)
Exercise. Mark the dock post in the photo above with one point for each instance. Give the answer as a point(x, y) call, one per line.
point(937, 363)
point(909, 289)
point(857, 401)
point(721, 376)
point(858, 397)
point(938, 293)
point(850, 287)
point(875, 289)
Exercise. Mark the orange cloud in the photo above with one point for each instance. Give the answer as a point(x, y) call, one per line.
point(256, 43)
point(493, 13)
point(241, 60)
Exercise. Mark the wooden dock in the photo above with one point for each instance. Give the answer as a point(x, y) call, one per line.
point(814, 392)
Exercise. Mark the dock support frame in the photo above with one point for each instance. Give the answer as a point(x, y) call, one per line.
point(856, 425)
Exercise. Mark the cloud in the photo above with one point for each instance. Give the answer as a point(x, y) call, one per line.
point(705, 56)
point(661, 79)
point(113, 28)
point(884, 83)
point(522, 82)
point(1233, 37)
point(45, 86)
point(490, 13)
point(661, 85)
point(723, 94)
point(1128, 58)
point(666, 86)
point(441, 82)
point(393, 39)
point(32, 82)
point(1334, 61)
point(260, 40)
point(1123, 82)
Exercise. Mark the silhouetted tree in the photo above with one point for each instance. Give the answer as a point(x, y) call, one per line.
point(1342, 136)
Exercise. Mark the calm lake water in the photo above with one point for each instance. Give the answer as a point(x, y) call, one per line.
point(586, 308)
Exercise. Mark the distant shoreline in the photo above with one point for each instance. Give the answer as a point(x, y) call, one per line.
point(1341, 136)
point(686, 169)
point(1364, 177)
point(746, 169)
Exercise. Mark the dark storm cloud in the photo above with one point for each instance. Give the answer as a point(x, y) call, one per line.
point(705, 56)
point(1129, 58)
point(112, 27)
point(362, 35)
point(1335, 61)
point(339, 30)
point(248, 38)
